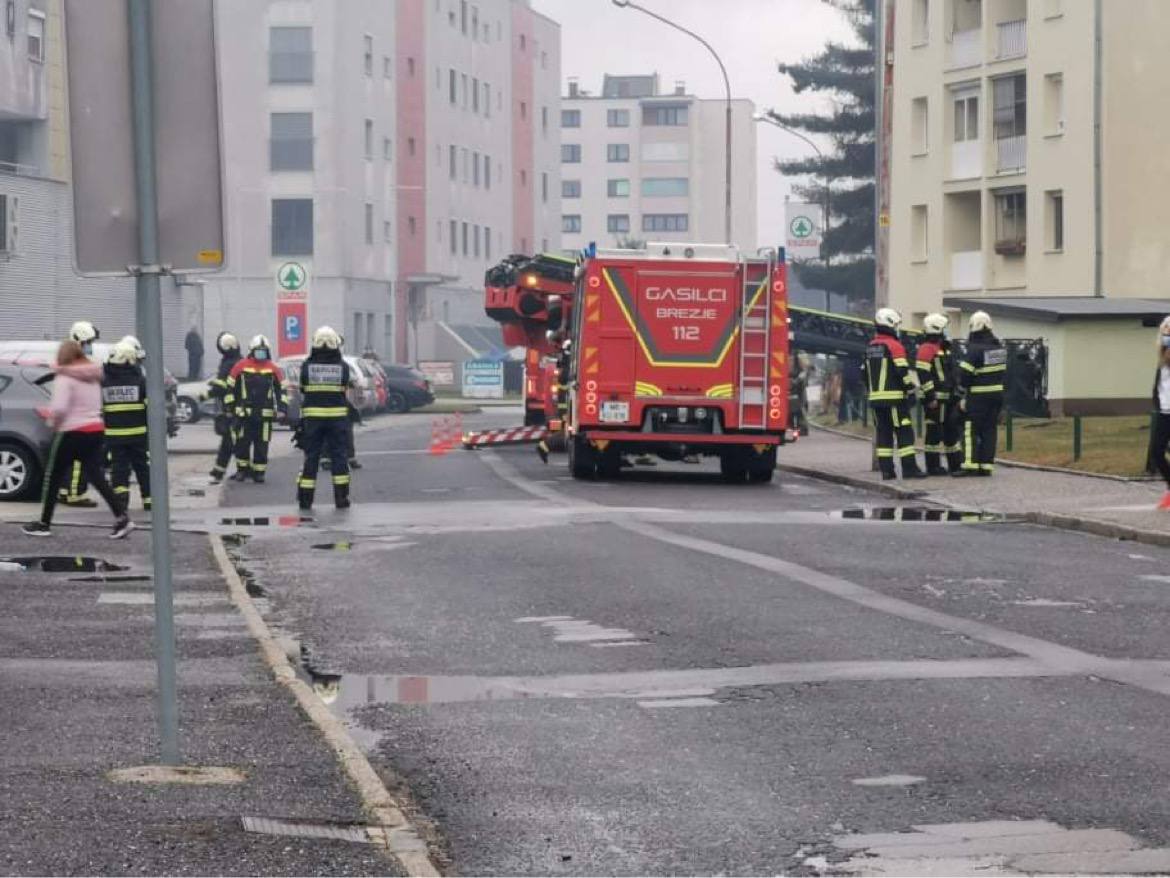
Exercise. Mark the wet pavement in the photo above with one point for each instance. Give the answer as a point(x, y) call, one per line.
point(666, 674)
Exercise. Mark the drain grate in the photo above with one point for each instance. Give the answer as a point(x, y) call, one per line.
point(294, 829)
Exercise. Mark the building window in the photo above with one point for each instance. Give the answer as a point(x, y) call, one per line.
point(1054, 220)
point(617, 118)
point(570, 188)
point(387, 149)
point(523, 42)
point(290, 54)
point(918, 242)
point(920, 22)
point(665, 222)
point(36, 35)
point(665, 187)
point(617, 188)
point(570, 118)
point(617, 152)
point(544, 60)
point(523, 178)
point(410, 67)
point(670, 114)
point(1054, 104)
point(369, 138)
point(966, 117)
point(523, 110)
point(475, 169)
point(454, 237)
point(919, 127)
point(291, 145)
point(411, 226)
point(475, 23)
point(387, 67)
point(487, 172)
point(387, 232)
point(292, 227)
point(571, 223)
point(466, 162)
point(1011, 122)
point(544, 120)
point(369, 223)
point(475, 94)
point(463, 16)
point(463, 79)
point(368, 54)
point(475, 242)
point(453, 154)
point(410, 146)
point(487, 243)
point(1011, 222)
point(617, 222)
point(465, 236)
point(487, 100)
point(452, 85)
point(544, 188)
point(570, 153)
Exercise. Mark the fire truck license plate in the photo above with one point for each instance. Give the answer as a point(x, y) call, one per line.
point(615, 412)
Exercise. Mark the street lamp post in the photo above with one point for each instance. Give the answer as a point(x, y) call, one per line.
point(727, 124)
point(771, 117)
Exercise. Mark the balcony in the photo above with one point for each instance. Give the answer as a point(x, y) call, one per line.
point(967, 160)
point(1011, 39)
point(1011, 154)
point(966, 48)
point(967, 270)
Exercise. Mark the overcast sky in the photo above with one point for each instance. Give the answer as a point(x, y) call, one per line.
point(751, 36)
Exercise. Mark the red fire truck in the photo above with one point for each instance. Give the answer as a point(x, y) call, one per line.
point(678, 350)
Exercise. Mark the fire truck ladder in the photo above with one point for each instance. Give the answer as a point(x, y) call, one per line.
point(755, 344)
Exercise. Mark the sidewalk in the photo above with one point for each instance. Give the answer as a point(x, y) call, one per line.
point(1104, 506)
point(76, 663)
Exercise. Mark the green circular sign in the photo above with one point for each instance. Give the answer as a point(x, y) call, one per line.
point(291, 276)
point(802, 227)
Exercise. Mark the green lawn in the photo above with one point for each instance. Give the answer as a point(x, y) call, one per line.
point(1116, 446)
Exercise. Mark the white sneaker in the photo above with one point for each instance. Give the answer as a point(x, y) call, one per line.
point(122, 528)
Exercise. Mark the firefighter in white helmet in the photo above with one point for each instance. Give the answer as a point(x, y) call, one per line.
point(934, 361)
point(982, 372)
point(124, 414)
point(217, 388)
point(85, 334)
point(256, 387)
point(324, 426)
point(892, 387)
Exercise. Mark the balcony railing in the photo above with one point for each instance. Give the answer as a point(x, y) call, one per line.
point(967, 270)
point(1011, 154)
point(19, 170)
point(966, 48)
point(1011, 39)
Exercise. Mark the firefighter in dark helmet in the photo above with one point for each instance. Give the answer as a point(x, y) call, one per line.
point(124, 414)
point(255, 384)
point(892, 387)
point(229, 350)
point(325, 378)
point(982, 370)
point(934, 361)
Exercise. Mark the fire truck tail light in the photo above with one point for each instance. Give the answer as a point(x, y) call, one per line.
point(700, 414)
point(774, 414)
point(590, 409)
point(590, 385)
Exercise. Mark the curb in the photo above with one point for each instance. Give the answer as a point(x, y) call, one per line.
point(854, 482)
point(402, 840)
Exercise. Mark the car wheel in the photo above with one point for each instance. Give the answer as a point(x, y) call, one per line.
point(186, 410)
point(396, 403)
point(19, 472)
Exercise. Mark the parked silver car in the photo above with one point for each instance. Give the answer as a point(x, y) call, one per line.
point(24, 436)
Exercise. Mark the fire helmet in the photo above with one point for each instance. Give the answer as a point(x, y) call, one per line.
point(888, 318)
point(83, 332)
point(327, 337)
point(139, 350)
point(935, 324)
point(258, 342)
point(124, 353)
point(225, 342)
point(979, 321)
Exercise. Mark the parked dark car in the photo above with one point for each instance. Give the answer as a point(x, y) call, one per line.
point(406, 388)
point(24, 436)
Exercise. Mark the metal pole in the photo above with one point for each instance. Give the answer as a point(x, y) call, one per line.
point(1077, 437)
point(149, 302)
point(877, 141)
point(727, 168)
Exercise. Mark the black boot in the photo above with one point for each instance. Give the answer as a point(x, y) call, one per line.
point(910, 469)
point(341, 496)
point(240, 475)
point(305, 499)
point(258, 478)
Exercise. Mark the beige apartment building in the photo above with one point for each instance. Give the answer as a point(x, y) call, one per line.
point(1029, 178)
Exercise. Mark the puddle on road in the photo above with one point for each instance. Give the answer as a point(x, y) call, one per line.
point(109, 579)
point(340, 546)
point(919, 515)
point(58, 564)
point(266, 521)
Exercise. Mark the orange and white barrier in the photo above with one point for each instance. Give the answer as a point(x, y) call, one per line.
point(509, 436)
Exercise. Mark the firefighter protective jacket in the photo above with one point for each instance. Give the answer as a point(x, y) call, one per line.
point(123, 403)
point(934, 362)
point(218, 386)
point(325, 377)
point(887, 370)
point(983, 368)
point(255, 388)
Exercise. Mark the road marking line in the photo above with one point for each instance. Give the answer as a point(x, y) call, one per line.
point(889, 780)
point(147, 599)
point(605, 644)
point(544, 619)
point(679, 702)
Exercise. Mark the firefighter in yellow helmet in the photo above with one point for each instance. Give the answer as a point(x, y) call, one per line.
point(325, 378)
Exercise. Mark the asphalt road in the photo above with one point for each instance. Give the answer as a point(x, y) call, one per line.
point(666, 674)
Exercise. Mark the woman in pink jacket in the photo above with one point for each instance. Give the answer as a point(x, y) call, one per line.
point(75, 412)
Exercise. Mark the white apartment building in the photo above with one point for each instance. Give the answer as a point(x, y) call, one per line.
point(638, 164)
point(40, 295)
point(478, 158)
point(1028, 178)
